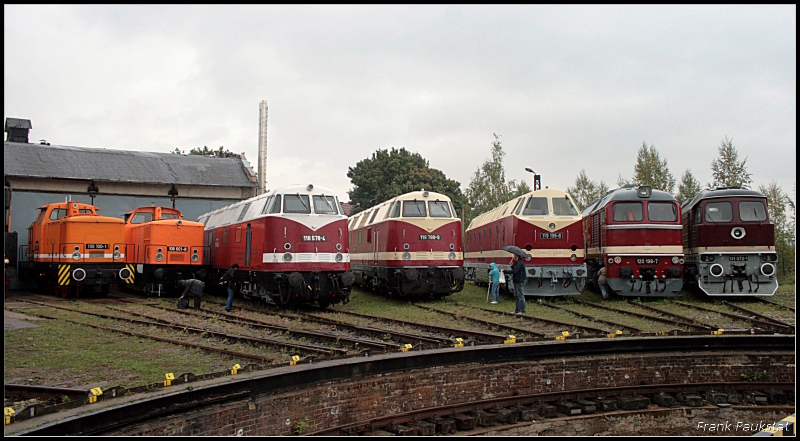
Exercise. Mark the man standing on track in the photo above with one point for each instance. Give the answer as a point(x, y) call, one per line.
point(229, 280)
point(519, 275)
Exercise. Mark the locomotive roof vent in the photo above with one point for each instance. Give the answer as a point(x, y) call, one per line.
point(310, 187)
point(644, 191)
point(17, 129)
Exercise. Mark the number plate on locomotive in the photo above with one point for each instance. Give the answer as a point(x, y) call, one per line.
point(737, 258)
point(647, 261)
point(430, 237)
point(96, 246)
point(177, 248)
point(551, 235)
point(313, 238)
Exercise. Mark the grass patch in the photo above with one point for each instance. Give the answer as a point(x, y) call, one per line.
point(72, 355)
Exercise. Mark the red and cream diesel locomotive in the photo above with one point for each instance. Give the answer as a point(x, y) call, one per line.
point(72, 249)
point(546, 224)
point(163, 248)
point(409, 246)
point(291, 246)
point(636, 233)
point(728, 237)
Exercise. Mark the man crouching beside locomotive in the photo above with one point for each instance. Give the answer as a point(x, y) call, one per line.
point(194, 288)
point(519, 275)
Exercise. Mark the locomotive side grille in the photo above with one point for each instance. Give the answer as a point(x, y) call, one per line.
point(423, 255)
point(440, 256)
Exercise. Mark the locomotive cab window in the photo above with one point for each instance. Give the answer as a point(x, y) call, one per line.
point(395, 210)
point(536, 206)
point(661, 212)
point(266, 205)
point(719, 212)
point(564, 207)
point(276, 205)
point(296, 203)
point(324, 204)
point(518, 208)
point(439, 209)
point(628, 212)
point(58, 213)
point(169, 216)
point(752, 211)
point(40, 217)
point(414, 209)
point(141, 217)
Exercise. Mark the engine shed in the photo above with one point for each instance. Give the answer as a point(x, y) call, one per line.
point(116, 181)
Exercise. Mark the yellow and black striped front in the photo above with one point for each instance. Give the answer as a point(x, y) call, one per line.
point(130, 279)
point(64, 276)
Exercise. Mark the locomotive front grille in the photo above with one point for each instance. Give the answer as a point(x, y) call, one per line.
point(177, 258)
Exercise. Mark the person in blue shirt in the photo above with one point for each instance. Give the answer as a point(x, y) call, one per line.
point(494, 274)
point(519, 275)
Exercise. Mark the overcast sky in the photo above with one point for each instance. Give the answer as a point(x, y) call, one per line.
point(565, 87)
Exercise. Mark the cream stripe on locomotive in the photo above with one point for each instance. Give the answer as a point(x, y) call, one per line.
point(636, 250)
point(305, 258)
point(498, 254)
point(732, 249)
point(416, 255)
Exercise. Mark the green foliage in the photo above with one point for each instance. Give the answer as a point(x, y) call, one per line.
point(782, 213)
point(222, 152)
point(488, 187)
point(727, 170)
point(651, 170)
point(300, 426)
point(392, 173)
point(585, 190)
point(688, 188)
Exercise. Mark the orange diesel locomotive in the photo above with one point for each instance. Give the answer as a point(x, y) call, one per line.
point(408, 246)
point(163, 248)
point(71, 249)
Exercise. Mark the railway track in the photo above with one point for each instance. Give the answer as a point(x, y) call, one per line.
point(316, 335)
point(506, 412)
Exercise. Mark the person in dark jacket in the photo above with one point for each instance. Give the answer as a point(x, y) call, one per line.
point(519, 276)
point(228, 279)
point(193, 288)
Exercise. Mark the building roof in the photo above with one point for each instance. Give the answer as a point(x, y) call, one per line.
point(99, 164)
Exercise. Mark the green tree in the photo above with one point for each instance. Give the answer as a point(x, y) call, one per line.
point(727, 171)
point(688, 188)
point(651, 170)
point(585, 190)
point(391, 173)
point(488, 187)
point(785, 240)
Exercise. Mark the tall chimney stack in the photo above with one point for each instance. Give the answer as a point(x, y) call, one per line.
point(262, 148)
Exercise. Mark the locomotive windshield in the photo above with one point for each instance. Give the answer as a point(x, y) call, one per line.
point(439, 209)
point(752, 211)
point(141, 217)
point(628, 212)
point(719, 212)
point(563, 207)
point(296, 203)
point(661, 212)
point(169, 216)
point(324, 204)
point(58, 213)
point(537, 206)
point(414, 209)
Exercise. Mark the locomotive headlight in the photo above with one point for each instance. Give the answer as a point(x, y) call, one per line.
point(79, 274)
point(681, 261)
point(452, 256)
point(195, 257)
point(405, 246)
point(552, 226)
point(338, 247)
point(76, 248)
point(406, 256)
point(76, 255)
point(610, 260)
point(452, 246)
point(339, 257)
point(117, 255)
point(287, 257)
point(737, 232)
point(159, 257)
point(618, 260)
point(573, 257)
point(675, 259)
